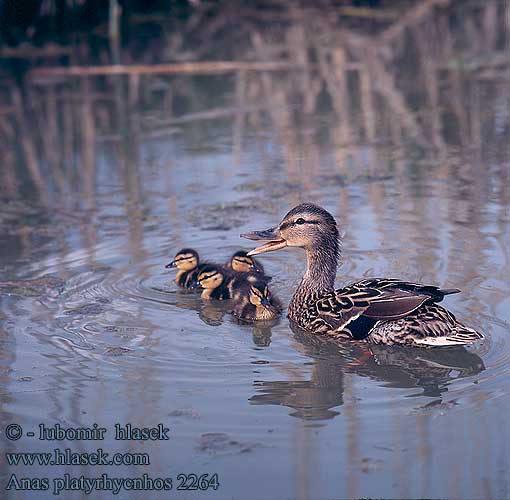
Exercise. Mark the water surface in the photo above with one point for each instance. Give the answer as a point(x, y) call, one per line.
point(404, 138)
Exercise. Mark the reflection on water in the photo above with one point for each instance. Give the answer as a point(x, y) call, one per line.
point(429, 369)
point(399, 125)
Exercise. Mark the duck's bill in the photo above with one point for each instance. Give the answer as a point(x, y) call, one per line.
point(274, 242)
point(171, 264)
point(268, 247)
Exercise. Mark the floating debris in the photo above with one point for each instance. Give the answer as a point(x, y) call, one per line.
point(222, 443)
point(116, 351)
point(86, 309)
point(46, 285)
point(185, 412)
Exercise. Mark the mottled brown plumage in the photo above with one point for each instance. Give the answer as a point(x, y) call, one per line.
point(250, 294)
point(378, 310)
point(252, 299)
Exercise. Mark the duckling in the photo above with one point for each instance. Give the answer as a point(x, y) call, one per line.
point(241, 262)
point(215, 282)
point(221, 284)
point(377, 310)
point(188, 263)
point(254, 301)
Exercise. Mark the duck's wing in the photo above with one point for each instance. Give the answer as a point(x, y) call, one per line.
point(375, 299)
point(430, 325)
point(435, 293)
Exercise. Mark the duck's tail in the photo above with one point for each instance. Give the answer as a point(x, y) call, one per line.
point(460, 335)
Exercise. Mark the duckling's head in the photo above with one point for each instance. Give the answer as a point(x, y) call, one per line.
point(307, 225)
point(210, 277)
point(259, 295)
point(241, 262)
point(186, 260)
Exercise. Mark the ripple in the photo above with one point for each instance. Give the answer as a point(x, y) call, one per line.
point(136, 315)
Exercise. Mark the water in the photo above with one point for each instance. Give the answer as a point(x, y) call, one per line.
point(105, 178)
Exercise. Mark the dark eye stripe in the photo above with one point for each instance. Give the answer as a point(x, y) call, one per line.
point(242, 260)
point(183, 258)
point(285, 225)
point(203, 278)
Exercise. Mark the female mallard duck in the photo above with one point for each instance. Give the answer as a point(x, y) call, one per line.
point(379, 310)
point(188, 264)
point(253, 301)
point(241, 262)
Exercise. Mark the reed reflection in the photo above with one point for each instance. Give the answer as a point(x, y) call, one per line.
point(399, 84)
point(7, 360)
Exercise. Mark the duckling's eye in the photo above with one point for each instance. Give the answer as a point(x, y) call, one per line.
point(300, 221)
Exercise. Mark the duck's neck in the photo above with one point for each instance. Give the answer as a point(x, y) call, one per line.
point(321, 264)
point(319, 277)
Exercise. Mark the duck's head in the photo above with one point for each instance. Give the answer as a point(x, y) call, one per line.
point(307, 225)
point(241, 262)
point(210, 277)
point(259, 295)
point(186, 260)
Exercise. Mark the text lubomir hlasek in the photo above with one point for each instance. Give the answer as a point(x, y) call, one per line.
point(122, 433)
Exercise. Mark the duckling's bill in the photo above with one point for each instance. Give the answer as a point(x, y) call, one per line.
point(265, 301)
point(274, 242)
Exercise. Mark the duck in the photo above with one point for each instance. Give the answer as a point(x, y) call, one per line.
point(374, 310)
point(241, 262)
point(215, 282)
point(251, 298)
point(188, 264)
point(253, 301)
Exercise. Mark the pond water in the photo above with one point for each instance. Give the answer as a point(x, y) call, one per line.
point(404, 138)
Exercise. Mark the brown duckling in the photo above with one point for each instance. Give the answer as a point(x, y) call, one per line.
point(252, 298)
point(215, 282)
point(241, 262)
point(254, 301)
point(188, 264)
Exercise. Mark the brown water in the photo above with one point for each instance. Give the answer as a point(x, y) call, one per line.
point(403, 135)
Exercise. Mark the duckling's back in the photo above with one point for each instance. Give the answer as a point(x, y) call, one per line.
point(243, 308)
point(186, 279)
point(222, 292)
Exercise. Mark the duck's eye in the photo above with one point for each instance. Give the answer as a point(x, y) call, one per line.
point(300, 221)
